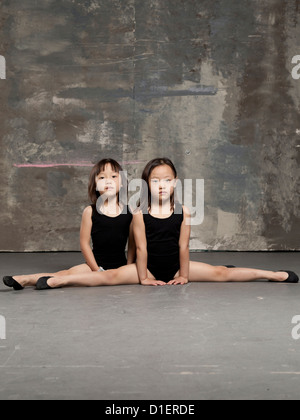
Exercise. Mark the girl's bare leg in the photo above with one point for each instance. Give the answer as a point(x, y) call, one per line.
point(31, 279)
point(127, 274)
point(205, 272)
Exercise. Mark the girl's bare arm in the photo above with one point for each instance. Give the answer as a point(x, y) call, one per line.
point(85, 239)
point(141, 246)
point(131, 253)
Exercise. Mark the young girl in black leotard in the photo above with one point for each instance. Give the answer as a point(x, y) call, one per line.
point(108, 226)
point(162, 231)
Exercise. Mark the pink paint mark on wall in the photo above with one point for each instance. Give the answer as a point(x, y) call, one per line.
point(75, 164)
point(51, 165)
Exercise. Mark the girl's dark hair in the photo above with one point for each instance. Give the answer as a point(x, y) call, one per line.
point(145, 202)
point(99, 167)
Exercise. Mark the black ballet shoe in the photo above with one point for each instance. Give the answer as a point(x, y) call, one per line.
point(9, 281)
point(229, 266)
point(42, 283)
point(292, 278)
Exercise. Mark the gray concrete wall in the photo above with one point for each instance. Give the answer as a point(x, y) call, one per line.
point(207, 83)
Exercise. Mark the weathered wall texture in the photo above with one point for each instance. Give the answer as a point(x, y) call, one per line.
point(205, 82)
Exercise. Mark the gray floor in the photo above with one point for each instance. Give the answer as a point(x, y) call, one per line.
point(198, 341)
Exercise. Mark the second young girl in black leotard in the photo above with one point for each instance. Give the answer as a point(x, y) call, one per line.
point(162, 234)
point(161, 229)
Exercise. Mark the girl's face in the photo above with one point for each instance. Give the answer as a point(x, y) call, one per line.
point(108, 182)
point(162, 183)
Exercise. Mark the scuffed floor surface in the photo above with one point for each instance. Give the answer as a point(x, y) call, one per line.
point(198, 341)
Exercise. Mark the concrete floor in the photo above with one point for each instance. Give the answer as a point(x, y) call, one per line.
point(192, 342)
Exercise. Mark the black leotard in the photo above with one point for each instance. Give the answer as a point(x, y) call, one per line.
point(109, 237)
point(163, 244)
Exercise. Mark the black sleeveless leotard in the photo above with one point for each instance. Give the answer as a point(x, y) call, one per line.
point(109, 237)
point(163, 244)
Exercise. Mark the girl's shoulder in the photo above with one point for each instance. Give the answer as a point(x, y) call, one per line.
point(88, 211)
point(186, 211)
point(182, 211)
